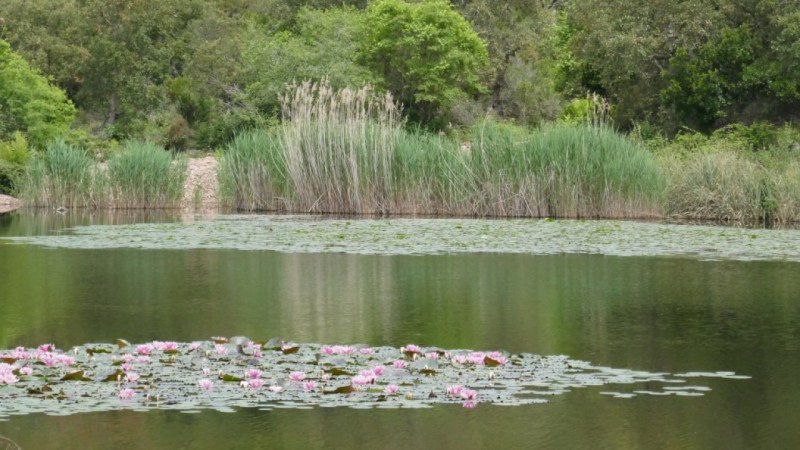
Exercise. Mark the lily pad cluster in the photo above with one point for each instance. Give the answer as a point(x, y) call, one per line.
point(307, 234)
point(224, 373)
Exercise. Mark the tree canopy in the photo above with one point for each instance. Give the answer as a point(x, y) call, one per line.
point(194, 72)
point(28, 102)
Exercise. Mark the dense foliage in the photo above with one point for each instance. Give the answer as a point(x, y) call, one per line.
point(681, 78)
point(191, 73)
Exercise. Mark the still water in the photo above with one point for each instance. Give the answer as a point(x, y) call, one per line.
point(652, 313)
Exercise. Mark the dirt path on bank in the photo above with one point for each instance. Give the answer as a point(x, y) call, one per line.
point(8, 204)
point(200, 187)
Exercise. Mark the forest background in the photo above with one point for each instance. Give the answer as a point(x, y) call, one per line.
point(676, 76)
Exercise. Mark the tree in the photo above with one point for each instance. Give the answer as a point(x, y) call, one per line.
point(519, 38)
point(427, 54)
point(321, 44)
point(621, 47)
point(28, 102)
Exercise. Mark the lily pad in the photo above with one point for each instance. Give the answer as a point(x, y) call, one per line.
point(223, 380)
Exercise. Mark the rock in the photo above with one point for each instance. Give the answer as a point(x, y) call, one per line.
point(8, 204)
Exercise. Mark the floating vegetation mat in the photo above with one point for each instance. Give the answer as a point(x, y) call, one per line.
point(224, 374)
point(434, 236)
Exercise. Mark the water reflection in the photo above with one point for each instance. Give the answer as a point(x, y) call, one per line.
point(655, 314)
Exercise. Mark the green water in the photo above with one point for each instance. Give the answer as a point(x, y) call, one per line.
point(654, 313)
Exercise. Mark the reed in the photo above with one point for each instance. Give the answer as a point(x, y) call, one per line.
point(580, 170)
point(347, 151)
point(720, 185)
point(144, 176)
point(252, 173)
point(63, 176)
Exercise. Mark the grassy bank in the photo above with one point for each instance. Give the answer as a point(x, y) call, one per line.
point(348, 152)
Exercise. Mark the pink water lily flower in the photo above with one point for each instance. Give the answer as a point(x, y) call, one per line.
point(275, 389)
point(170, 346)
point(126, 367)
point(126, 394)
point(255, 383)
point(469, 404)
point(378, 370)
point(399, 364)
point(131, 377)
point(253, 373)
point(391, 389)
point(297, 376)
point(468, 394)
point(310, 385)
point(220, 349)
point(205, 384)
point(144, 349)
point(411, 348)
point(6, 374)
point(368, 374)
point(361, 380)
point(454, 390)
point(47, 348)
point(25, 371)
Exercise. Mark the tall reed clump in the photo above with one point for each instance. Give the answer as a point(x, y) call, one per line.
point(786, 194)
point(339, 147)
point(252, 173)
point(578, 170)
point(719, 185)
point(63, 176)
point(144, 175)
point(332, 153)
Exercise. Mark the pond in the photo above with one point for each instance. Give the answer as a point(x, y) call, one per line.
point(655, 298)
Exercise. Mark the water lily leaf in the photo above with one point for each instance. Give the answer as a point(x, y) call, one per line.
point(273, 344)
point(116, 376)
point(428, 372)
point(75, 376)
point(8, 360)
point(424, 363)
point(122, 343)
point(93, 351)
point(172, 352)
point(40, 391)
point(219, 340)
point(290, 350)
point(230, 378)
point(490, 362)
point(336, 371)
point(341, 390)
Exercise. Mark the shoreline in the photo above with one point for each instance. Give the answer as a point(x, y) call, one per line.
point(8, 204)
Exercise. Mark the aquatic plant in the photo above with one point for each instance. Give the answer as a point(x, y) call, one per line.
point(98, 377)
point(347, 151)
point(144, 175)
point(433, 236)
point(63, 176)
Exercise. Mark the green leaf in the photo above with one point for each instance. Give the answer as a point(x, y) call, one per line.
point(341, 390)
point(75, 376)
point(230, 378)
point(116, 376)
